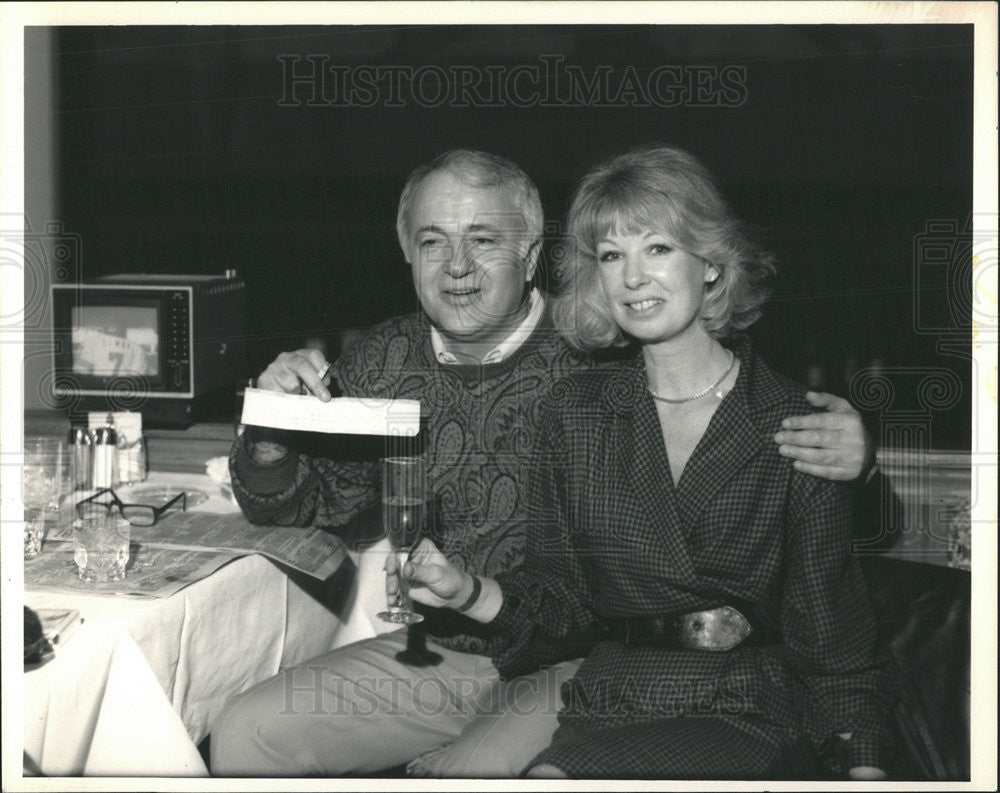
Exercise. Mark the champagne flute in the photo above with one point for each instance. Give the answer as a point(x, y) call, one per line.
point(403, 498)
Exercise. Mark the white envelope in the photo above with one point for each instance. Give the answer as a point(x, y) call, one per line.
point(390, 417)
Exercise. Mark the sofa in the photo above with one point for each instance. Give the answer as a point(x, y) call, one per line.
point(924, 613)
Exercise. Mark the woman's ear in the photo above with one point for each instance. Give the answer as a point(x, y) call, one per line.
point(531, 259)
point(711, 274)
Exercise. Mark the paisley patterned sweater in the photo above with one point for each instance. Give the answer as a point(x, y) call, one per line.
point(479, 429)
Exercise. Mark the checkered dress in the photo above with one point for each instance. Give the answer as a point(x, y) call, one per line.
point(611, 536)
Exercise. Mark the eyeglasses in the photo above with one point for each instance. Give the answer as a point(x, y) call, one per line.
point(136, 514)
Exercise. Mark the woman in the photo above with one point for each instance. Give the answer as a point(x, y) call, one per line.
point(729, 631)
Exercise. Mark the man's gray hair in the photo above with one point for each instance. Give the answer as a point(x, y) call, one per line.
point(478, 169)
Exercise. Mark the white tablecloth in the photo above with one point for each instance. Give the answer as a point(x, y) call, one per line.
point(138, 685)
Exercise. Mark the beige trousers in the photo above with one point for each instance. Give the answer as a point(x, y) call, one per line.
point(506, 735)
point(355, 710)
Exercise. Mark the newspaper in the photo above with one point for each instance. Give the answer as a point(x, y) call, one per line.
point(59, 624)
point(309, 550)
point(151, 572)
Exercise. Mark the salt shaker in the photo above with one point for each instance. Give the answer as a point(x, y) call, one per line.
point(81, 458)
point(106, 455)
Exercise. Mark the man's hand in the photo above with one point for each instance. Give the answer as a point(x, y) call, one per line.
point(831, 445)
point(291, 371)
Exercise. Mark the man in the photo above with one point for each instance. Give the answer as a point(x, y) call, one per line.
point(478, 357)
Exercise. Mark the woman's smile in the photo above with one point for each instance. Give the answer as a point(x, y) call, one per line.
point(645, 306)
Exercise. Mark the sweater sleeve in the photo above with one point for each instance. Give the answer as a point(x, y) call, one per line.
point(300, 490)
point(548, 612)
point(830, 633)
point(303, 489)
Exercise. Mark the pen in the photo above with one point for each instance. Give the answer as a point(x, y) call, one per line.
point(320, 374)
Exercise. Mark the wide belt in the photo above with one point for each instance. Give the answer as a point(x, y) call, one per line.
point(715, 630)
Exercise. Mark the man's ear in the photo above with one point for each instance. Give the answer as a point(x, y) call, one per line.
point(401, 239)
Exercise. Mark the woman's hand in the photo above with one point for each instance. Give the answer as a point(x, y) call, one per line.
point(831, 445)
point(433, 579)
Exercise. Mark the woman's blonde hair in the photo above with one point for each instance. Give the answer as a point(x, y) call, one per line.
point(663, 189)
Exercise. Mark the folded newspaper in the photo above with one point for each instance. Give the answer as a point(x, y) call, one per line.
point(309, 550)
point(59, 624)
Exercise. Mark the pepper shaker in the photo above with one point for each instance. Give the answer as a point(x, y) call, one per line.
point(81, 458)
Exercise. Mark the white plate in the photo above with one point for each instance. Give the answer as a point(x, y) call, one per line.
point(156, 496)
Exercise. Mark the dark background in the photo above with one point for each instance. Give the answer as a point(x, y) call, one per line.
point(174, 156)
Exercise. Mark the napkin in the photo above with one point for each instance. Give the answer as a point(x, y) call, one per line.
point(218, 471)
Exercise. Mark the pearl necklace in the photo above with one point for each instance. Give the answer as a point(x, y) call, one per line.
point(700, 394)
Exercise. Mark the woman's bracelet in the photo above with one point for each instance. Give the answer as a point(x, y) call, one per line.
point(477, 590)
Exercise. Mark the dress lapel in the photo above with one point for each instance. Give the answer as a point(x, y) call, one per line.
point(641, 443)
point(730, 442)
point(734, 436)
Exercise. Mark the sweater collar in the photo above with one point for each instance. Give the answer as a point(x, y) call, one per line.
point(544, 329)
point(505, 348)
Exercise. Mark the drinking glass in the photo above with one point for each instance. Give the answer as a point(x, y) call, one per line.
point(42, 485)
point(403, 497)
point(101, 547)
point(105, 501)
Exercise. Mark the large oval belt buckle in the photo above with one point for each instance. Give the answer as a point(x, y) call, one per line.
point(716, 630)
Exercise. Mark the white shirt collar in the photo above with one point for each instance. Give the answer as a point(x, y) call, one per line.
point(505, 348)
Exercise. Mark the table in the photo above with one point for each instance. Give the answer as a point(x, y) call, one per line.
point(137, 687)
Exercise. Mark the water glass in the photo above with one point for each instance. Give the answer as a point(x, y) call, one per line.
point(101, 546)
point(42, 485)
point(43, 471)
point(34, 531)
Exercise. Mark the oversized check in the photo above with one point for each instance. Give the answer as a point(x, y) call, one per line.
point(390, 417)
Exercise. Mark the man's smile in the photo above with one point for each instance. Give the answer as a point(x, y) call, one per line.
point(462, 294)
